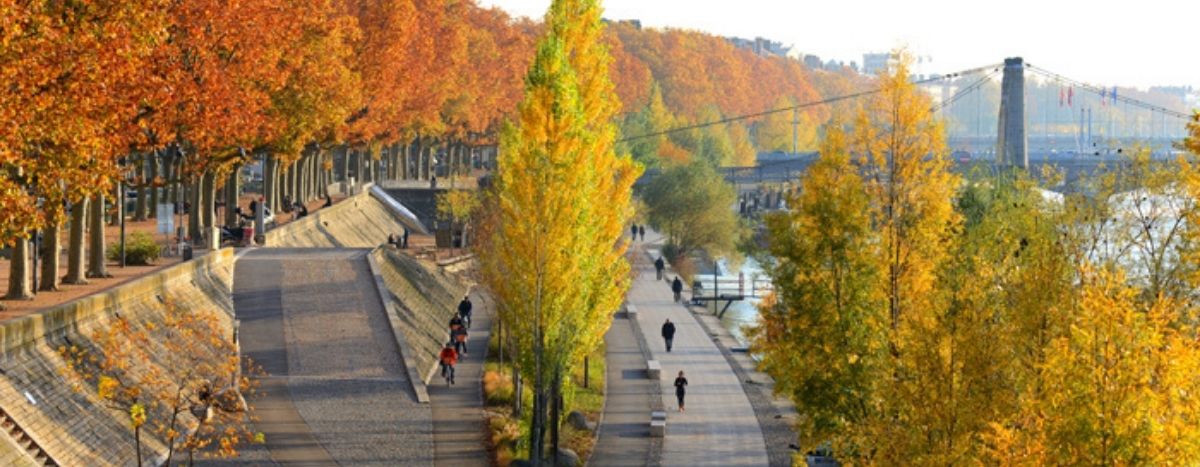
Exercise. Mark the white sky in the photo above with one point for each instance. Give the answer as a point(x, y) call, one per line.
point(1104, 42)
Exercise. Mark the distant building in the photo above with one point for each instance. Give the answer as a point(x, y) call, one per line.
point(1178, 92)
point(876, 63)
point(636, 23)
point(760, 46)
point(813, 62)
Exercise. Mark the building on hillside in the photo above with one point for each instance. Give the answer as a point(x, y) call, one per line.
point(760, 46)
point(813, 62)
point(876, 63)
point(636, 23)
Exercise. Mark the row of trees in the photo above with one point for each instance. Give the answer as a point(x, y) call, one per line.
point(173, 98)
point(923, 318)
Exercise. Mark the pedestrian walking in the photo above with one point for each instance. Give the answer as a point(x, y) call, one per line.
point(464, 310)
point(677, 287)
point(668, 333)
point(680, 389)
point(633, 232)
point(448, 358)
point(642, 231)
point(405, 239)
point(659, 265)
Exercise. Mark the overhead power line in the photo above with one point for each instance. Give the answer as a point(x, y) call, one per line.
point(830, 100)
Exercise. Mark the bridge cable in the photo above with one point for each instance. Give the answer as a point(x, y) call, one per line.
point(962, 92)
point(1102, 91)
point(830, 100)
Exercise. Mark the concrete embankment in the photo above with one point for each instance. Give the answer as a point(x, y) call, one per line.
point(50, 420)
point(360, 221)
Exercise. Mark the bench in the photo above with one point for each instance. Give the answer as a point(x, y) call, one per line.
point(653, 369)
point(631, 311)
point(658, 424)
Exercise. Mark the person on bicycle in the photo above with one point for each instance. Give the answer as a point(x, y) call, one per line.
point(448, 359)
point(464, 310)
point(459, 337)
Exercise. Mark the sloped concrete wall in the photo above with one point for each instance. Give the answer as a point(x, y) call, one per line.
point(425, 298)
point(360, 221)
point(71, 424)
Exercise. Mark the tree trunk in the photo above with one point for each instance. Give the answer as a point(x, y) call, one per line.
point(555, 409)
point(118, 203)
point(404, 160)
point(139, 206)
point(419, 166)
point(153, 175)
point(19, 286)
point(51, 248)
point(208, 198)
point(76, 274)
point(195, 222)
point(232, 187)
point(96, 262)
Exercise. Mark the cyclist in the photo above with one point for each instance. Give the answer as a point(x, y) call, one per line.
point(448, 359)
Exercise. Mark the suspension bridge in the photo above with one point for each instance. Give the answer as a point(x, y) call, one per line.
point(1091, 127)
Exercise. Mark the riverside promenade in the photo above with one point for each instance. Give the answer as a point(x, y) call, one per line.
point(719, 426)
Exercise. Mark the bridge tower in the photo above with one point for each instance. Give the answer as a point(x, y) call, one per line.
point(1011, 144)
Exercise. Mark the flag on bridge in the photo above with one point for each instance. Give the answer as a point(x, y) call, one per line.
point(1070, 95)
point(1114, 95)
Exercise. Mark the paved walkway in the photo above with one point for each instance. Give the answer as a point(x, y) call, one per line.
point(719, 426)
point(625, 431)
point(458, 423)
point(337, 391)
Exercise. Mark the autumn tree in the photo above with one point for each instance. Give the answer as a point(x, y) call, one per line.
point(694, 206)
point(182, 377)
point(563, 198)
point(457, 207)
point(823, 332)
point(73, 107)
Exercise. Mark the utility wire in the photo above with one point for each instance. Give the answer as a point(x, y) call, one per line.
point(1102, 91)
point(830, 100)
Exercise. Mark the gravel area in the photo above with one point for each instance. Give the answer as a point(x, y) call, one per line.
point(344, 373)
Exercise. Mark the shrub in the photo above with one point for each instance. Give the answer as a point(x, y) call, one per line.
point(140, 249)
point(497, 389)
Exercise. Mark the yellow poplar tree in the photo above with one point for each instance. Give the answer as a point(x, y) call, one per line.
point(903, 151)
point(554, 258)
point(822, 334)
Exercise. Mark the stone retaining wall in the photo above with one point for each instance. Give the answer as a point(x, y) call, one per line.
point(72, 426)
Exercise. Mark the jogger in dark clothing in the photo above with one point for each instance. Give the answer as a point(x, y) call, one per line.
point(633, 231)
point(680, 389)
point(659, 265)
point(677, 287)
point(668, 333)
point(642, 231)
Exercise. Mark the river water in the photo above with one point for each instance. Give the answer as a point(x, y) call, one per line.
point(740, 313)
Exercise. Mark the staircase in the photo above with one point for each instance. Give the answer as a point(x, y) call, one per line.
point(22, 439)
